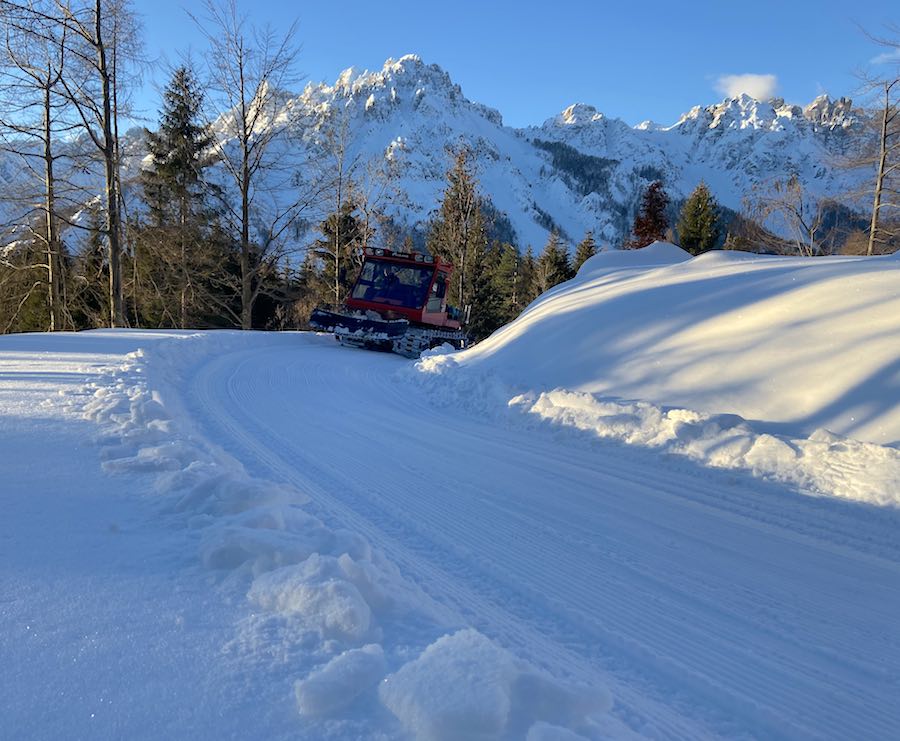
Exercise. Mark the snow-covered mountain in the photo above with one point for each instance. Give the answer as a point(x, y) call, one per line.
point(579, 170)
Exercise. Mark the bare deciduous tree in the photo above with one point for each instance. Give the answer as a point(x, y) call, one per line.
point(787, 209)
point(883, 85)
point(102, 36)
point(340, 184)
point(32, 121)
point(248, 72)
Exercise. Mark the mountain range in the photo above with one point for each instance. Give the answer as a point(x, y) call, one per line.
point(580, 170)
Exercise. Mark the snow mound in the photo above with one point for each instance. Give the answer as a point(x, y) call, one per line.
point(465, 686)
point(656, 254)
point(341, 680)
point(823, 464)
point(315, 593)
point(547, 732)
point(785, 367)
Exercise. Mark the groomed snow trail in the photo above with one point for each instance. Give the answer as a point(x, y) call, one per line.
point(709, 603)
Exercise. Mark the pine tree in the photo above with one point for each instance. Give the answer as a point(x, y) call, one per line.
point(698, 227)
point(180, 262)
point(585, 250)
point(341, 233)
point(88, 273)
point(458, 233)
point(651, 222)
point(507, 282)
point(553, 265)
point(528, 271)
point(176, 150)
point(23, 295)
point(487, 303)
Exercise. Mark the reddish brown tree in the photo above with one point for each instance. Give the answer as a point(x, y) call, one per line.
point(651, 221)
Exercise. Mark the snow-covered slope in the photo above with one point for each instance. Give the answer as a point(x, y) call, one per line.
point(653, 347)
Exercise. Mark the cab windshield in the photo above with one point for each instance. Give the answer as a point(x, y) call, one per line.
point(394, 284)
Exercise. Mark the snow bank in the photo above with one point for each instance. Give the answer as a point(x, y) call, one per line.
point(785, 367)
point(806, 343)
point(823, 464)
point(320, 597)
point(653, 255)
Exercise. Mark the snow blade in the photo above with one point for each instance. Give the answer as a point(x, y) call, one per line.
point(358, 325)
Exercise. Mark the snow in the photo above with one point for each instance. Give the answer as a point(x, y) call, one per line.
point(219, 534)
point(823, 464)
point(464, 686)
point(316, 597)
point(652, 348)
point(409, 114)
point(341, 680)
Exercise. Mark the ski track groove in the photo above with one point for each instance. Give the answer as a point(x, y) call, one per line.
point(447, 589)
point(491, 592)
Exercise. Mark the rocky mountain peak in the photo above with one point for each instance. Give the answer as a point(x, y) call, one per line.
point(824, 111)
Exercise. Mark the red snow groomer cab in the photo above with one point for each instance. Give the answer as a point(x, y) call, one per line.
point(398, 303)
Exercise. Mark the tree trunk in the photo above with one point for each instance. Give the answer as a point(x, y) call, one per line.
point(54, 253)
point(879, 178)
point(116, 318)
point(337, 230)
point(185, 280)
point(246, 268)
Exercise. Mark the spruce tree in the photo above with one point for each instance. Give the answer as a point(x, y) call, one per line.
point(458, 233)
point(487, 303)
point(341, 231)
point(88, 274)
point(180, 262)
point(698, 227)
point(528, 272)
point(507, 282)
point(585, 250)
point(171, 182)
point(651, 222)
point(553, 265)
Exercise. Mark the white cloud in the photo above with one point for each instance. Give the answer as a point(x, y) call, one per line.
point(887, 57)
point(761, 87)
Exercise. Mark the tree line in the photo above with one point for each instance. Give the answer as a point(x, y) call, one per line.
point(182, 244)
point(204, 234)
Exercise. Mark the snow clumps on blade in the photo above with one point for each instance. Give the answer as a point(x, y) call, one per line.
point(465, 686)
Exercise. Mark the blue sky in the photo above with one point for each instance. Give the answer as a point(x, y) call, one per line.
point(630, 59)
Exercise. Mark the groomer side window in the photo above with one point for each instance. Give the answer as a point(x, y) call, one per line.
point(438, 291)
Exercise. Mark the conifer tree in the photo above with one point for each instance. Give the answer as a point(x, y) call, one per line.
point(458, 234)
point(553, 265)
point(528, 270)
point(88, 273)
point(487, 303)
point(651, 222)
point(179, 262)
point(341, 232)
point(507, 282)
point(171, 183)
point(585, 250)
point(698, 227)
